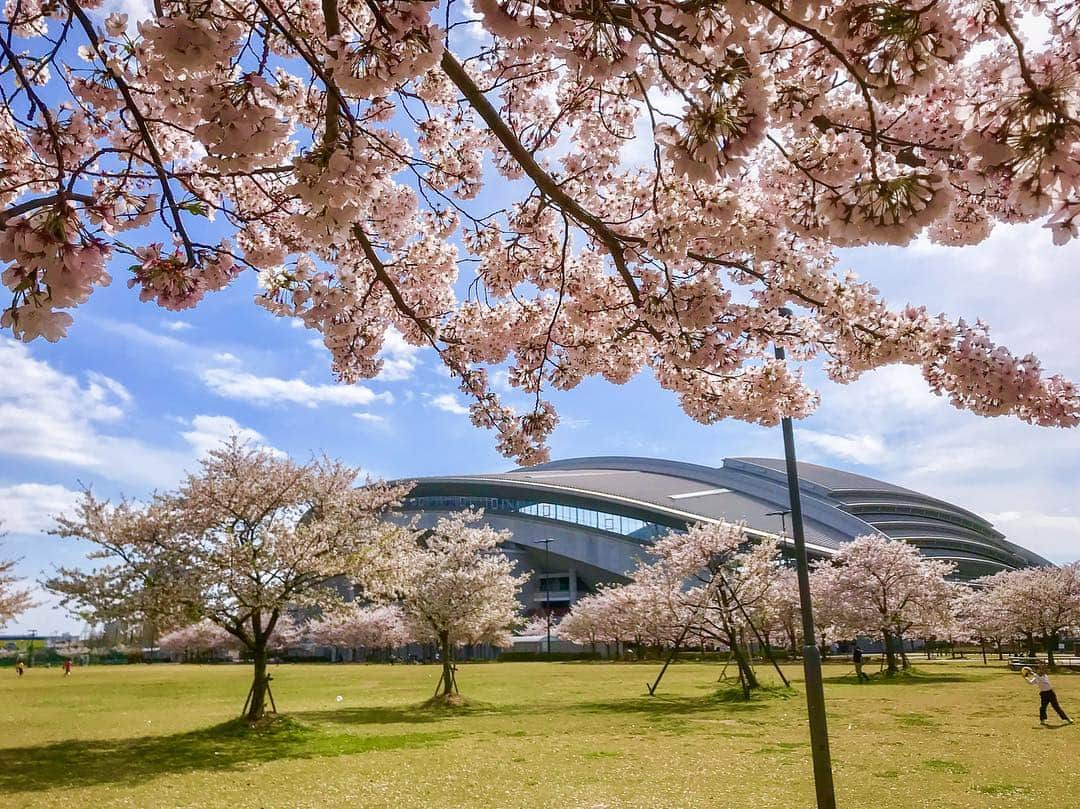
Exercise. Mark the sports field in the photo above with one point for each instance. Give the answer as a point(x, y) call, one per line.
point(534, 735)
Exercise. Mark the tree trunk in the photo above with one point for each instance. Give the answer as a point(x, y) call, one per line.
point(1030, 644)
point(746, 671)
point(890, 655)
point(259, 684)
point(904, 662)
point(448, 683)
point(1051, 645)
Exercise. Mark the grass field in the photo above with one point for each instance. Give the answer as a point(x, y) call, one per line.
point(534, 735)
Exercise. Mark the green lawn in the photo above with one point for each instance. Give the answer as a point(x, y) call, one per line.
point(535, 735)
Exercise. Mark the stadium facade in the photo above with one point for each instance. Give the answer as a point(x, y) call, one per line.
point(580, 522)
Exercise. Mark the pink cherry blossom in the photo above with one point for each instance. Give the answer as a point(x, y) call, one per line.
point(668, 177)
point(244, 540)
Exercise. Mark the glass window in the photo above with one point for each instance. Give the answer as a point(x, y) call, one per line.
point(591, 518)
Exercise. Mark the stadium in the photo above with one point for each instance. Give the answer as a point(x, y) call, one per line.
point(580, 522)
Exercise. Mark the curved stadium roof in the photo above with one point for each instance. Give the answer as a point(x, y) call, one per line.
point(606, 508)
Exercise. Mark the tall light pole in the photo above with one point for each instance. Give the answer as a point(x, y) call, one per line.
point(547, 589)
point(815, 692)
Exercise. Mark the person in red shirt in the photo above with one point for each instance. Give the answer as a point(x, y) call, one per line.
point(67, 667)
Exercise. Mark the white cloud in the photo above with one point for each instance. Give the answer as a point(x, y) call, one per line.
point(102, 385)
point(28, 508)
point(49, 416)
point(210, 432)
point(1020, 477)
point(500, 381)
point(132, 331)
point(449, 403)
point(399, 357)
point(862, 449)
point(175, 325)
point(235, 384)
point(370, 417)
point(1018, 283)
point(1052, 535)
point(225, 356)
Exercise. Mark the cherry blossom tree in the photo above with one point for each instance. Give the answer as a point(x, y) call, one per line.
point(783, 606)
point(455, 588)
point(671, 173)
point(1036, 602)
point(248, 536)
point(356, 627)
point(13, 599)
point(194, 640)
point(599, 617)
point(881, 586)
point(709, 583)
point(729, 582)
point(206, 637)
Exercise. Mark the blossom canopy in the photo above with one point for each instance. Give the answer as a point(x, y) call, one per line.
point(670, 174)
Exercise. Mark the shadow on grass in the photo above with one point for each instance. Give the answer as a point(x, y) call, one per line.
point(727, 700)
point(404, 715)
point(911, 677)
point(229, 746)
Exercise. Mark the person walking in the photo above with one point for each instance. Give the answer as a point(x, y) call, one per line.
point(1041, 680)
point(856, 658)
point(19, 667)
point(67, 667)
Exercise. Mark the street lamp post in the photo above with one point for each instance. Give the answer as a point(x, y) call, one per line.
point(547, 589)
point(783, 519)
point(815, 692)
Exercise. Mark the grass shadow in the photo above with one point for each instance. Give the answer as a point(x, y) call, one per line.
point(404, 715)
point(911, 677)
point(228, 746)
point(727, 700)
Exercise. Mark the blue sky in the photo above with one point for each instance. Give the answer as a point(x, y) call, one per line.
point(131, 398)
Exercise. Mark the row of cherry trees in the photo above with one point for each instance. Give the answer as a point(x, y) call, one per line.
point(357, 628)
point(253, 536)
point(713, 587)
point(1032, 605)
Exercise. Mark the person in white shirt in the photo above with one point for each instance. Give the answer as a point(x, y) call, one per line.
point(1040, 680)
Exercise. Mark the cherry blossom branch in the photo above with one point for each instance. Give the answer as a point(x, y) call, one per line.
point(41, 202)
point(544, 181)
point(43, 109)
point(842, 58)
point(144, 132)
